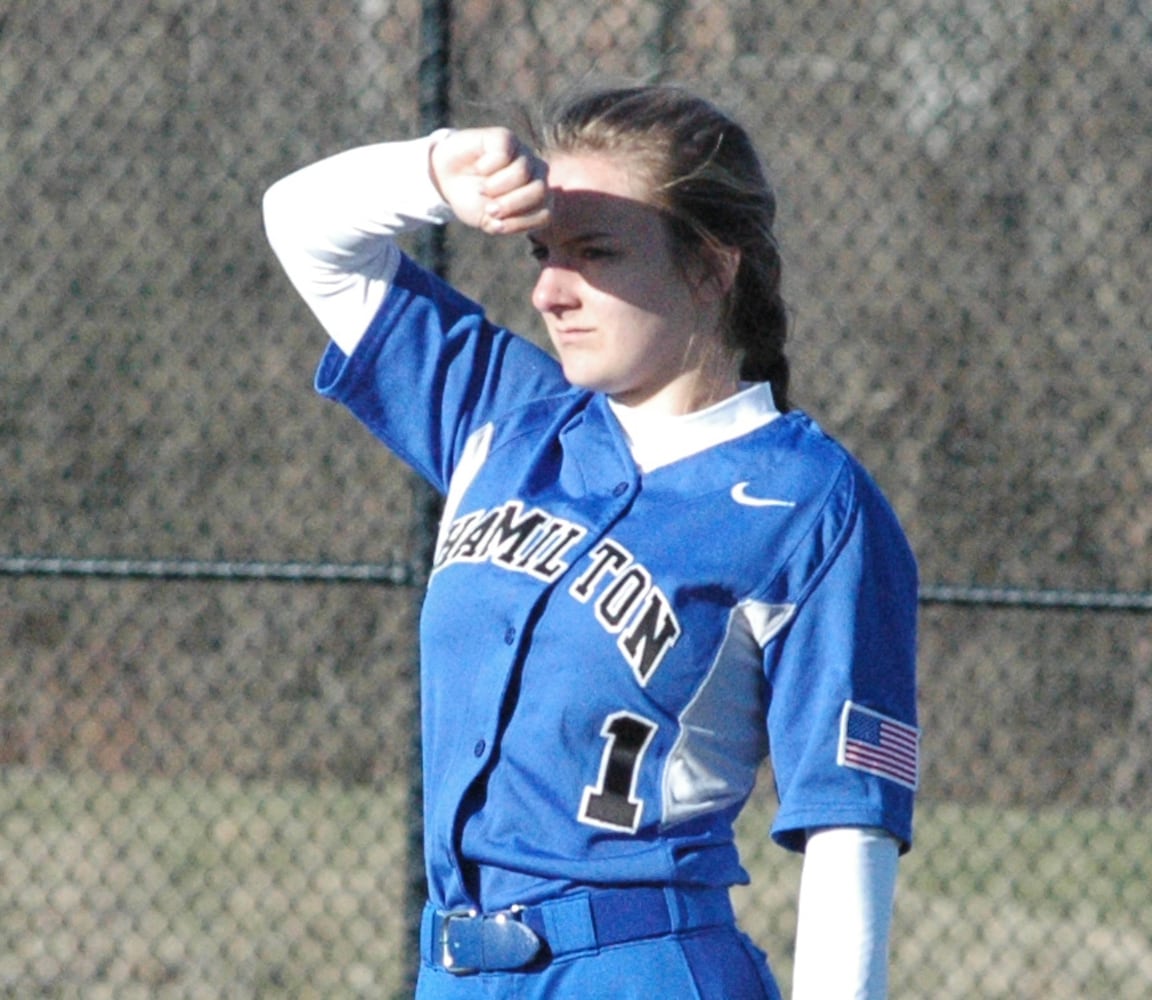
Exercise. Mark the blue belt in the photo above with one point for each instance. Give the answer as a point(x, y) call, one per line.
point(464, 941)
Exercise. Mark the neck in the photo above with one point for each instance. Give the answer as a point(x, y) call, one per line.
point(686, 393)
point(708, 372)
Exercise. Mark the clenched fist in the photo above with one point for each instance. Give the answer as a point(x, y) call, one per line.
point(491, 180)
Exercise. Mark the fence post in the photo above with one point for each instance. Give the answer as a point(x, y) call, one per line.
point(433, 82)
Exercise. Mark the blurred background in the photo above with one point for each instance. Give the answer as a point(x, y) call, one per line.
point(209, 577)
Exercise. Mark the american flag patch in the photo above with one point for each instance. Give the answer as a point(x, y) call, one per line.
point(879, 745)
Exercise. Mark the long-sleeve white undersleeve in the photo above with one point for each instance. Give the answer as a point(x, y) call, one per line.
point(332, 223)
point(847, 888)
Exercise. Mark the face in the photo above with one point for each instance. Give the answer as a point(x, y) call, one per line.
point(624, 316)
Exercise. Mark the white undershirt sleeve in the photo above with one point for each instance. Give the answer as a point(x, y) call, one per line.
point(332, 223)
point(847, 888)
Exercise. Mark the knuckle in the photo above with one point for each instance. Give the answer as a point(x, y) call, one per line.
point(506, 141)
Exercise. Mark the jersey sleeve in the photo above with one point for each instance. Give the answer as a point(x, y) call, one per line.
point(842, 717)
point(431, 370)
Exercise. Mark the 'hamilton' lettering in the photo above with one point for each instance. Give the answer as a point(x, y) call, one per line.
point(624, 598)
point(607, 556)
point(532, 542)
point(630, 606)
point(651, 635)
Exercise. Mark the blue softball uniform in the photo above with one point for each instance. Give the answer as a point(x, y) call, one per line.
point(608, 657)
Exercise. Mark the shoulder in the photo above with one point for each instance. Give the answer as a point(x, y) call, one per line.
point(815, 460)
point(803, 459)
point(834, 500)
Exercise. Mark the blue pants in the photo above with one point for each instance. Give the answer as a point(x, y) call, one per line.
point(699, 957)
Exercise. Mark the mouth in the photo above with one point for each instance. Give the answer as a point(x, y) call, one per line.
point(569, 333)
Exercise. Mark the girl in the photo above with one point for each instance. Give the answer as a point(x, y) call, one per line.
point(650, 569)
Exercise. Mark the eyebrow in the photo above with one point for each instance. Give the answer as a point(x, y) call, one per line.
point(589, 236)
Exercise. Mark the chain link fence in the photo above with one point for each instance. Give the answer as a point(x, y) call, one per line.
point(210, 576)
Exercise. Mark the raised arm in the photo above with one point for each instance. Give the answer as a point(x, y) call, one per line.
point(332, 223)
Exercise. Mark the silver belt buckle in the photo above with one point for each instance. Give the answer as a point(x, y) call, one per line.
point(447, 959)
point(515, 946)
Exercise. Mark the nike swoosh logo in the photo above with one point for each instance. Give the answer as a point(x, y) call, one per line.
point(740, 495)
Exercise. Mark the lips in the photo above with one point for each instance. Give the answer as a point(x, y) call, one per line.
point(569, 335)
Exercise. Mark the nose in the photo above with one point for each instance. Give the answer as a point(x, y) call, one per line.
point(555, 290)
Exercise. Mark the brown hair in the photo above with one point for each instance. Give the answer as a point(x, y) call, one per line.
point(707, 178)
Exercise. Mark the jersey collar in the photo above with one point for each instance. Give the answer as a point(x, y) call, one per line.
point(656, 440)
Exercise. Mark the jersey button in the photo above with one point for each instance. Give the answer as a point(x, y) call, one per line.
point(619, 489)
point(479, 748)
point(509, 635)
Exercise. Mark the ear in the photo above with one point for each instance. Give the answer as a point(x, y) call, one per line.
point(718, 273)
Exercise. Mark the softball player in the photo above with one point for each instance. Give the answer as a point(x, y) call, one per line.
point(651, 572)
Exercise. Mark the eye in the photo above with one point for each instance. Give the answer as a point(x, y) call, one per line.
point(598, 253)
point(538, 252)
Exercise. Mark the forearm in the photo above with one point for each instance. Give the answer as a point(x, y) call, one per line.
point(846, 894)
point(332, 224)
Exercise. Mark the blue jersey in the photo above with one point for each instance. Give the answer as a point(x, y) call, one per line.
point(609, 656)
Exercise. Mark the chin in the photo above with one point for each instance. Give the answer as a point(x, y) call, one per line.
point(579, 376)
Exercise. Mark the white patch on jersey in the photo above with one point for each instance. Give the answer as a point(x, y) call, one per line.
point(471, 461)
point(723, 735)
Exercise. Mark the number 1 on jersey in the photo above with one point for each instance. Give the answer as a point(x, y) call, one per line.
point(612, 803)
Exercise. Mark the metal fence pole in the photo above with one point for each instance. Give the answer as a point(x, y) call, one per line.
point(433, 82)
